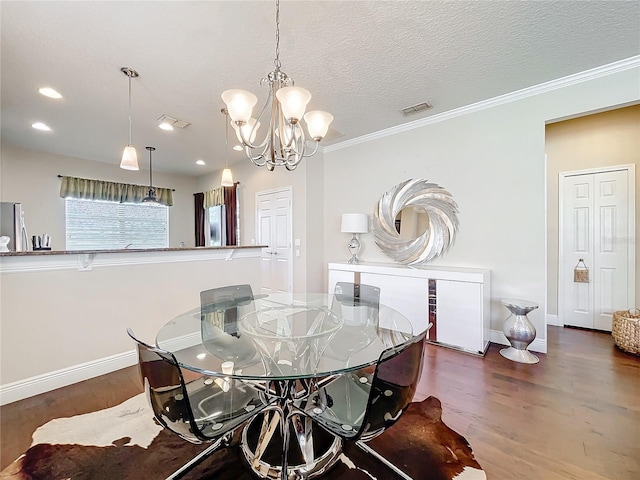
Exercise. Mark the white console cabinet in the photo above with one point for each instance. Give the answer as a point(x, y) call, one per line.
point(456, 300)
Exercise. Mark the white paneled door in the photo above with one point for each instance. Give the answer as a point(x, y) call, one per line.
point(274, 229)
point(595, 227)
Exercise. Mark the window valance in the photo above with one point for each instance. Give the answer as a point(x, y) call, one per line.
point(87, 189)
point(214, 197)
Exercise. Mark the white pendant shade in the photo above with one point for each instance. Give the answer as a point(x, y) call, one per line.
point(318, 123)
point(227, 178)
point(293, 101)
point(129, 159)
point(239, 103)
point(355, 223)
point(248, 130)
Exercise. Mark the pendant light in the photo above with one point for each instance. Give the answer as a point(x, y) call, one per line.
point(129, 156)
point(151, 196)
point(227, 178)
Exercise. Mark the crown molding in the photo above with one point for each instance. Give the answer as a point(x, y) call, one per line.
point(587, 75)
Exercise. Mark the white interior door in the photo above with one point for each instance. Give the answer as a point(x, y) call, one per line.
point(596, 226)
point(274, 229)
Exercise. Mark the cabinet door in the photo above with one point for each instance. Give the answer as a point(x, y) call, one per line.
point(408, 295)
point(459, 314)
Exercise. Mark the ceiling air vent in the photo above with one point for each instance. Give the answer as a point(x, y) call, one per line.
point(413, 109)
point(174, 122)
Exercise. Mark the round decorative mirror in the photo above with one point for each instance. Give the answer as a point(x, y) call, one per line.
point(415, 222)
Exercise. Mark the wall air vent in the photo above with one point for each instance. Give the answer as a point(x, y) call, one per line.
point(413, 109)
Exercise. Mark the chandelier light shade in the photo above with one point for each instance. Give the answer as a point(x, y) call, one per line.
point(151, 196)
point(285, 142)
point(129, 157)
point(318, 123)
point(239, 104)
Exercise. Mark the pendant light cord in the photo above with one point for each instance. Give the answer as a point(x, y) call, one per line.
point(150, 171)
point(226, 139)
point(129, 75)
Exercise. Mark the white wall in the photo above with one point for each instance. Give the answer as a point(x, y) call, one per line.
point(31, 178)
point(306, 185)
point(56, 318)
point(602, 140)
point(492, 161)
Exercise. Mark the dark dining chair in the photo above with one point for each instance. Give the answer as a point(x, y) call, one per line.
point(356, 295)
point(220, 305)
point(359, 307)
point(220, 312)
point(360, 405)
point(202, 410)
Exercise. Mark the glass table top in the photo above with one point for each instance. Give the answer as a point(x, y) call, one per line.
point(283, 336)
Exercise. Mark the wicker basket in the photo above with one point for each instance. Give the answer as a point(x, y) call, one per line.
point(626, 330)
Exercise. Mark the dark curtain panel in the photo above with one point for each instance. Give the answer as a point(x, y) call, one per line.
point(230, 205)
point(198, 207)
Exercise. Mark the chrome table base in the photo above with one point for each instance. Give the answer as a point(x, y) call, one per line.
point(283, 419)
point(519, 331)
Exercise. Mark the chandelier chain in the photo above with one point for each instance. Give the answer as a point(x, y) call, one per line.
point(276, 62)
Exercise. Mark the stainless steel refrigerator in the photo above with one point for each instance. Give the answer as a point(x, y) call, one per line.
point(12, 226)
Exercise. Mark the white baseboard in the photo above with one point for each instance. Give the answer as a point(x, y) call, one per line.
point(553, 320)
point(12, 392)
point(21, 389)
point(538, 345)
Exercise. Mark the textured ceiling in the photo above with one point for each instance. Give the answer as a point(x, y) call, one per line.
point(363, 61)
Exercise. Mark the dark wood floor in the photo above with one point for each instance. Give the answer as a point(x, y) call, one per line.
point(573, 416)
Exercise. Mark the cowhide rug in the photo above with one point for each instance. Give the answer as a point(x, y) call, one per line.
point(125, 443)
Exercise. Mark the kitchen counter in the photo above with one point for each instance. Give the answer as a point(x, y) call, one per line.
point(85, 260)
point(122, 250)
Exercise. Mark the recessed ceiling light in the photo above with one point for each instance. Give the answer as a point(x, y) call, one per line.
point(41, 126)
point(166, 126)
point(200, 162)
point(49, 92)
point(201, 356)
point(237, 148)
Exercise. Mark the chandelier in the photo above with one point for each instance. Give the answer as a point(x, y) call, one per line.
point(285, 142)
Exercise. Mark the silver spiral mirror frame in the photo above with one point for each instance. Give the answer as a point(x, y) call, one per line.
point(427, 197)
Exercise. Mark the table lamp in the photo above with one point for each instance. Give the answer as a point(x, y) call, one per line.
point(354, 223)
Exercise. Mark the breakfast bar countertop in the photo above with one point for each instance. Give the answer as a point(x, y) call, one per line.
point(122, 250)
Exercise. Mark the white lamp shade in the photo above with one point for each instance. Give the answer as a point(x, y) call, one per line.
point(227, 178)
point(129, 159)
point(248, 130)
point(318, 123)
point(239, 104)
point(293, 101)
point(355, 223)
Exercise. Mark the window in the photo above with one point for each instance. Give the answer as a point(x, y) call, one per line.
point(99, 225)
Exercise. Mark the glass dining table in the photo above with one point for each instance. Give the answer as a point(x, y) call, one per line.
point(287, 346)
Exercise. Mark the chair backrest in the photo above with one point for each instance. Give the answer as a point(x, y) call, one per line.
point(393, 386)
point(219, 306)
point(166, 391)
point(357, 303)
point(355, 294)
